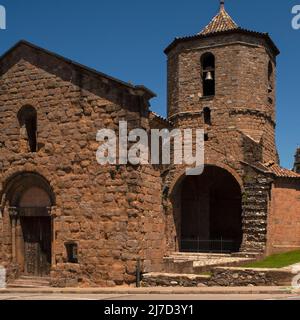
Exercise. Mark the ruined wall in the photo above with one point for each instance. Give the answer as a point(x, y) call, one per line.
point(284, 218)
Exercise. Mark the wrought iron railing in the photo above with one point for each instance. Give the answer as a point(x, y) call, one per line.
point(209, 246)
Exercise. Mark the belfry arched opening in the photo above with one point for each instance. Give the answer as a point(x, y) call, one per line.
point(209, 212)
point(29, 199)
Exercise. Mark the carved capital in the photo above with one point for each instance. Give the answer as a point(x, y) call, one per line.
point(13, 212)
point(52, 212)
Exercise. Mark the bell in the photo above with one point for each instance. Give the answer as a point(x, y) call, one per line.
point(209, 76)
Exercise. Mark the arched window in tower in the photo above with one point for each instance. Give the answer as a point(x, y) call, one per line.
point(208, 74)
point(27, 117)
point(207, 115)
point(270, 77)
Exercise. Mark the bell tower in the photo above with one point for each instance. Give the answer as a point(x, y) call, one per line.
point(222, 79)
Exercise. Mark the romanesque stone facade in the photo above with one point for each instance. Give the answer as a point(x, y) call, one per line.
point(238, 116)
point(105, 211)
point(65, 217)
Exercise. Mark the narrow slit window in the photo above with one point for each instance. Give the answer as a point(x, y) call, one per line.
point(270, 78)
point(72, 252)
point(207, 115)
point(27, 117)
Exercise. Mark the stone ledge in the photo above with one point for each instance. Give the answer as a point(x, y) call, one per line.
point(172, 275)
point(222, 277)
point(253, 269)
point(233, 276)
point(155, 290)
point(174, 280)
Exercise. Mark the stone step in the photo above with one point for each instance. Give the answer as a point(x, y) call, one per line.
point(35, 278)
point(26, 286)
point(197, 256)
point(252, 255)
point(186, 263)
point(30, 282)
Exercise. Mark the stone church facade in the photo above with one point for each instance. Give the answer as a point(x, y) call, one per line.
point(65, 217)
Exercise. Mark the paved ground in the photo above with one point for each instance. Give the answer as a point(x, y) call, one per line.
point(134, 297)
point(157, 293)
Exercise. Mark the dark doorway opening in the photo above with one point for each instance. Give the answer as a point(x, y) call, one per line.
point(30, 199)
point(37, 245)
point(211, 212)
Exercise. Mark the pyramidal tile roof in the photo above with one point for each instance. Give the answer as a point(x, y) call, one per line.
point(221, 22)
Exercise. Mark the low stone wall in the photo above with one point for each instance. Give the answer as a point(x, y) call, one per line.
point(236, 277)
point(223, 277)
point(174, 280)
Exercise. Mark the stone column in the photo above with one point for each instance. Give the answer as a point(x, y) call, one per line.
point(255, 214)
point(13, 213)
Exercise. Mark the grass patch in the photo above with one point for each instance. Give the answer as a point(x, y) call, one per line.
point(277, 260)
point(206, 274)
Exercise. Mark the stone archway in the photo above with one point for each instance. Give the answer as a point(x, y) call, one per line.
point(209, 212)
point(29, 199)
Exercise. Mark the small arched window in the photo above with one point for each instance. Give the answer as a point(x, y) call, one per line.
point(207, 115)
point(270, 77)
point(208, 74)
point(27, 117)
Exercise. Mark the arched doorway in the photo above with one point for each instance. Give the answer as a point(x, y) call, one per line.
point(210, 212)
point(30, 199)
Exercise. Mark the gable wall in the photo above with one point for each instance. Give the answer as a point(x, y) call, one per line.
point(99, 207)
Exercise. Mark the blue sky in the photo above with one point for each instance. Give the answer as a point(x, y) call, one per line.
point(126, 39)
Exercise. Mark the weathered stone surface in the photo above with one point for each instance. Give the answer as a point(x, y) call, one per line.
point(223, 277)
point(103, 209)
point(235, 277)
point(174, 280)
point(121, 215)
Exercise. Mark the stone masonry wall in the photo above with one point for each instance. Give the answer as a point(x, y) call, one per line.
point(284, 218)
point(255, 211)
point(242, 124)
point(242, 100)
point(222, 277)
point(105, 209)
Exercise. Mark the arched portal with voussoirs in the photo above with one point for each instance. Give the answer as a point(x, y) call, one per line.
point(28, 202)
point(207, 212)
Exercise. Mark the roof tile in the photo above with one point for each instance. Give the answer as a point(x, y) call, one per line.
point(221, 22)
point(279, 171)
